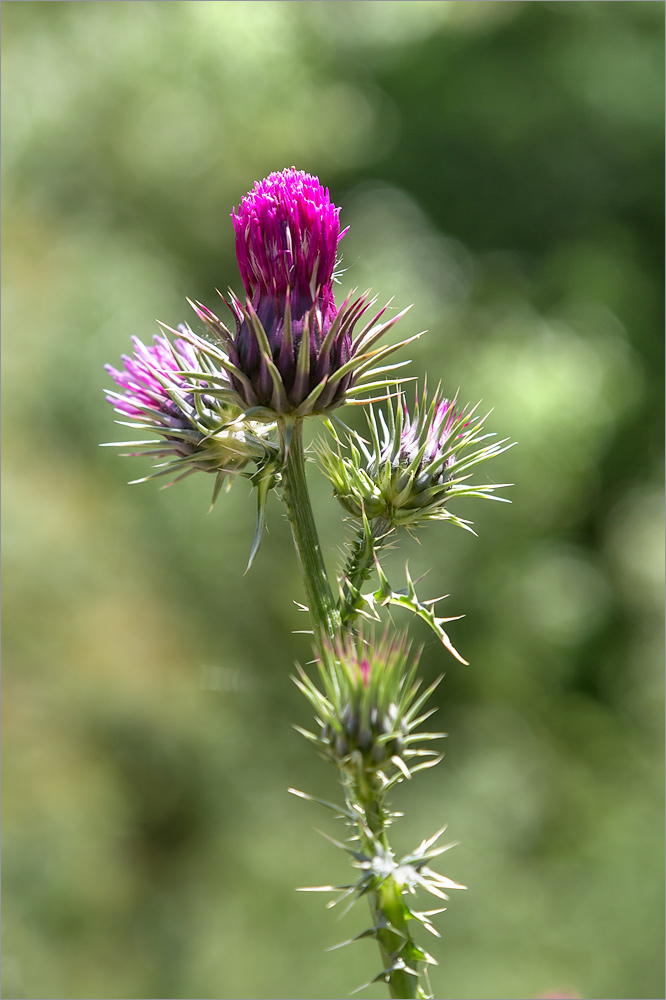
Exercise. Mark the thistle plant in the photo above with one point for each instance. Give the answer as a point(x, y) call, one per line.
point(230, 399)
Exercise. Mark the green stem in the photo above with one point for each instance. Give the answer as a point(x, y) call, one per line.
point(386, 903)
point(324, 614)
point(360, 566)
point(364, 790)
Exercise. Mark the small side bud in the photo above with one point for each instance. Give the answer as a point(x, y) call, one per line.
point(414, 464)
point(367, 703)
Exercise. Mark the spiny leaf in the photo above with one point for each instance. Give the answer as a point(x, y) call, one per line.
point(341, 811)
point(407, 598)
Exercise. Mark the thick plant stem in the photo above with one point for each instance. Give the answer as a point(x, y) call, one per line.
point(389, 914)
point(324, 614)
point(386, 904)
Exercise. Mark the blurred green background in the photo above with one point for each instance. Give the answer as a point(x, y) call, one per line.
point(500, 165)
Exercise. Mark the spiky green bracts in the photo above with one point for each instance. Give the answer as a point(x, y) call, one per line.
point(414, 464)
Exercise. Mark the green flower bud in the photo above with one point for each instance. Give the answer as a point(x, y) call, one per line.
point(413, 464)
point(367, 703)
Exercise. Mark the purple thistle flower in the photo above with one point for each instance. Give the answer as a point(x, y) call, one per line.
point(144, 376)
point(166, 390)
point(364, 669)
point(293, 351)
point(287, 235)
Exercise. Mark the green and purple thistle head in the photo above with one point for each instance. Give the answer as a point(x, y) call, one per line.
point(369, 705)
point(292, 351)
point(414, 463)
point(165, 391)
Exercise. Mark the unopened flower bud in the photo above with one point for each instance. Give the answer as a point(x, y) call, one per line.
point(365, 707)
point(414, 464)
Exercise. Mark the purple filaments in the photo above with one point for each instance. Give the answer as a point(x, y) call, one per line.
point(430, 438)
point(287, 235)
point(144, 375)
point(364, 670)
point(438, 434)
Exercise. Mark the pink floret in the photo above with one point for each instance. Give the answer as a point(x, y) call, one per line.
point(142, 388)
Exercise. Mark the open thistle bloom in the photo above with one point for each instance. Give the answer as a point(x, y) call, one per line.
point(368, 706)
point(293, 351)
point(414, 463)
point(197, 431)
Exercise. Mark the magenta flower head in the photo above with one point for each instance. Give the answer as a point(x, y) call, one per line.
point(165, 392)
point(414, 463)
point(293, 351)
point(287, 235)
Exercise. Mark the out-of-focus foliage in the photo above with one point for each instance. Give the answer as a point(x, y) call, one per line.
point(500, 164)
